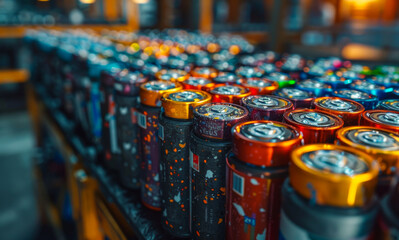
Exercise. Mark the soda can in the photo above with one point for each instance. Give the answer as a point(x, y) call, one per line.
point(249, 72)
point(172, 75)
point(226, 78)
point(300, 98)
point(267, 107)
point(381, 92)
point(284, 80)
point(228, 93)
point(386, 81)
point(109, 137)
point(316, 126)
point(197, 83)
point(256, 169)
point(148, 121)
point(346, 109)
point(204, 72)
point(210, 142)
point(320, 189)
point(149, 70)
point(261, 86)
point(335, 81)
point(382, 145)
point(367, 100)
point(127, 88)
point(174, 133)
point(224, 66)
point(319, 89)
point(389, 104)
point(381, 119)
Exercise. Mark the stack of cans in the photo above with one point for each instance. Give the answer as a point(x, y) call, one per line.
point(229, 142)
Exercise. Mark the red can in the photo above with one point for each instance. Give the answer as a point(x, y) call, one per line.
point(204, 72)
point(381, 119)
point(267, 107)
point(316, 126)
point(256, 169)
point(260, 86)
point(346, 109)
point(228, 93)
point(198, 83)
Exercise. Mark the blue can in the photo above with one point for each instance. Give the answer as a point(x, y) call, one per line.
point(389, 104)
point(335, 81)
point(367, 100)
point(380, 91)
point(318, 88)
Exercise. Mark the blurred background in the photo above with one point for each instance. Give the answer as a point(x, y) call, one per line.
point(358, 30)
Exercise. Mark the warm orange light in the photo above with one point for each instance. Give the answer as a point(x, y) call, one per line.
point(87, 1)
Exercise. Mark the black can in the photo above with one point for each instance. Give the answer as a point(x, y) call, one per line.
point(127, 87)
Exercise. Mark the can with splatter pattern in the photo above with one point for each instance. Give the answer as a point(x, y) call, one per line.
point(381, 119)
point(329, 194)
point(228, 93)
point(256, 169)
point(381, 144)
point(127, 87)
point(210, 142)
point(175, 126)
point(346, 109)
point(148, 121)
point(267, 107)
point(316, 126)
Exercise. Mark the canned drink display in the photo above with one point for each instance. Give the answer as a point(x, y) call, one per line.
point(267, 107)
point(324, 188)
point(260, 86)
point(381, 119)
point(226, 78)
point(204, 72)
point(283, 79)
point(382, 145)
point(228, 93)
point(377, 90)
point(174, 132)
point(249, 72)
point(346, 109)
point(210, 142)
point(148, 121)
point(319, 89)
point(172, 75)
point(389, 104)
point(109, 137)
point(316, 126)
point(367, 100)
point(256, 169)
point(300, 98)
point(127, 88)
point(197, 83)
point(335, 82)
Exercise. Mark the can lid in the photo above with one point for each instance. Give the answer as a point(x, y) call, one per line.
point(260, 85)
point(197, 82)
point(313, 119)
point(151, 92)
point(248, 72)
point(173, 75)
point(226, 77)
point(228, 93)
point(383, 117)
point(389, 104)
point(333, 175)
point(312, 84)
point(381, 144)
point(265, 143)
point(205, 72)
point(338, 105)
point(294, 94)
point(180, 104)
point(215, 120)
point(366, 85)
point(128, 83)
point(266, 102)
point(354, 94)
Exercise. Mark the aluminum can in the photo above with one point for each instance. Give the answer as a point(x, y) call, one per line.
point(381, 119)
point(380, 91)
point(172, 75)
point(367, 100)
point(261, 86)
point(389, 104)
point(228, 93)
point(198, 83)
point(204, 72)
point(267, 107)
point(319, 89)
point(300, 98)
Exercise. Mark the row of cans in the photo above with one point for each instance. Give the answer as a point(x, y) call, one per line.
point(212, 150)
